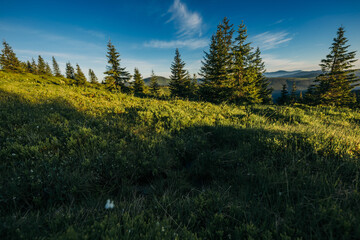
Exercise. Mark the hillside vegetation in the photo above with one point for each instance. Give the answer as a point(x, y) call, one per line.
point(174, 169)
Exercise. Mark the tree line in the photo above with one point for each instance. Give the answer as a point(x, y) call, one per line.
point(232, 71)
point(9, 62)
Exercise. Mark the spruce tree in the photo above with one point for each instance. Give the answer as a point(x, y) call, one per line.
point(154, 86)
point(262, 83)
point(117, 77)
point(179, 80)
point(217, 65)
point(28, 67)
point(80, 78)
point(92, 77)
point(41, 66)
point(293, 97)
point(8, 59)
point(48, 69)
point(138, 84)
point(56, 69)
point(70, 73)
point(33, 66)
point(194, 86)
point(334, 86)
point(243, 80)
point(284, 97)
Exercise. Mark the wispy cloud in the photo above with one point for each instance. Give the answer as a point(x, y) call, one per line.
point(49, 36)
point(189, 43)
point(269, 40)
point(188, 23)
point(278, 21)
point(69, 56)
point(92, 33)
point(274, 63)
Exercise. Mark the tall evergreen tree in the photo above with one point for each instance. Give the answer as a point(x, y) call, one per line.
point(194, 86)
point(293, 97)
point(117, 77)
point(41, 66)
point(334, 86)
point(154, 85)
point(8, 59)
point(56, 69)
point(138, 84)
point(284, 97)
point(179, 80)
point(217, 70)
point(92, 77)
point(70, 73)
point(243, 80)
point(33, 66)
point(48, 69)
point(28, 67)
point(262, 83)
point(80, 78)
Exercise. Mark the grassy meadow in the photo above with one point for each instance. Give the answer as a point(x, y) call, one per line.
point(175, 169)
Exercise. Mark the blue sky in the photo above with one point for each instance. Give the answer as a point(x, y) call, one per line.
point(291, 34)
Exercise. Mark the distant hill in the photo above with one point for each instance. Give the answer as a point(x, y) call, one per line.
point(297, 74)
point(163, 81)
point(303, 80)
point(293, 74)
point(281, 73)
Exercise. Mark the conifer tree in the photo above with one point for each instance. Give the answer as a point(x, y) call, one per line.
point(179, 80)
point(29, 67)
point(70, 73)
point(56, 69)
point(284, 97)
point(8, 59)
point(92, 77)
point(23, 66)
point(334, 86)
point(48, 69)
point(293, 97)
point(117, 77)
point(154, 86)
point(194, 86)
point(217, 65)
point(241, 52)
point(262, 83)
point(80, 78)
point(41, 66)
point(138, 84)
point(33, 66)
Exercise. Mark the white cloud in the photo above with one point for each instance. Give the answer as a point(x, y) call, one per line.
point(70, 56)
point(268, 40)
point(72, 42)
point(92, 33)
point(189, 43)
point(274, 63)
point(188, 23)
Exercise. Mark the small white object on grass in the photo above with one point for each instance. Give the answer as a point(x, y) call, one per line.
point(109, 204)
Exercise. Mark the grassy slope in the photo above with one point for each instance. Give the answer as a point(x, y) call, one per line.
point(175, 169)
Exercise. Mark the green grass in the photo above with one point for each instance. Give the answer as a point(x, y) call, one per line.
point(174, 169)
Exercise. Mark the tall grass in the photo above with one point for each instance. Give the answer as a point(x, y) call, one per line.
point(174, 169)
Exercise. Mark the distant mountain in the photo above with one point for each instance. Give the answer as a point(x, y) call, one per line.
point(293, 74)
point(281, 73)
point(303, 79)
point(162, 81)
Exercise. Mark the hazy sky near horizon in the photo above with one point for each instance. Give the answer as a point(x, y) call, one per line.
point(292, 35)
